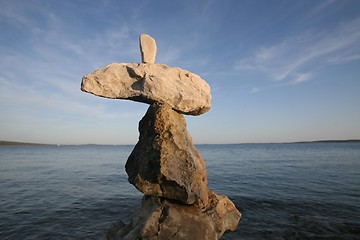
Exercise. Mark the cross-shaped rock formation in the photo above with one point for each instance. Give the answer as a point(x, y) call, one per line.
point(165, 165)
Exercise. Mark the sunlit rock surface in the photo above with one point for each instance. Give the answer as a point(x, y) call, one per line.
point(165, 164)
point(147, 48)
point(184, 91)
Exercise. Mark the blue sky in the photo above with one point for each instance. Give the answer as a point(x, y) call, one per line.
point(279, 71)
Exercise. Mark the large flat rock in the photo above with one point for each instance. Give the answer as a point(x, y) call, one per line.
point(184, 91)
point(165, 161)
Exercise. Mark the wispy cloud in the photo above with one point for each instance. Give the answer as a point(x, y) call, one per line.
point(321, 6)
point(15, 97)
point(345, 58)
point(302, 77)
point(254, 90)
point(46, 77)
point(297, 58)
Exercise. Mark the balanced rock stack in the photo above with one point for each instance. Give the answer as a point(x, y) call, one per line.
point(165, 165)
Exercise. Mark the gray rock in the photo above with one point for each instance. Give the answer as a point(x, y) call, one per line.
point(165, 161)
point(184, 91)
point(162, 219)
point(147, 48)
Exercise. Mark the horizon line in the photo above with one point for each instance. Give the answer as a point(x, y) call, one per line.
point(15, 143)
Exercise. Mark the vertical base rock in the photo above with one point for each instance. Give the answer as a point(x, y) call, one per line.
point(161, 219)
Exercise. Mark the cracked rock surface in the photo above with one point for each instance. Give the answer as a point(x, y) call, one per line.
point(165, 162)
point(161, 219)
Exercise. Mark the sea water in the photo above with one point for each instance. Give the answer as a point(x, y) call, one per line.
point(284, 191)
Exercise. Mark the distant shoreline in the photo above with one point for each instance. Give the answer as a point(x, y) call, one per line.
point(329, 141)
point(11, 143)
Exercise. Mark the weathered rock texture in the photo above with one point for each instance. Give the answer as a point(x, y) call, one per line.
point(165, 161)
point(165, 165)
point(162, 219)
point(184, 91)
point(147, 48)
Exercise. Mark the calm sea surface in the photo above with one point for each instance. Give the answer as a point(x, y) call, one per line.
point(284, 191)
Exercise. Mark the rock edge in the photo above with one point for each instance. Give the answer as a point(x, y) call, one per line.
point(184, 91)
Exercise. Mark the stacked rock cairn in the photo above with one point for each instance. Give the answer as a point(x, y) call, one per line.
point(165, 164)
